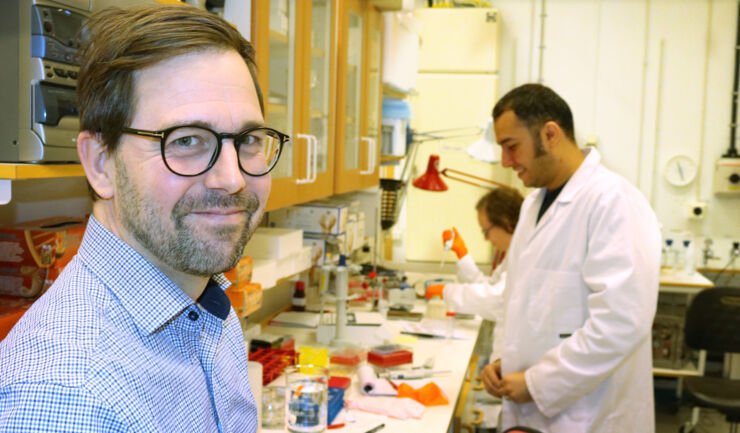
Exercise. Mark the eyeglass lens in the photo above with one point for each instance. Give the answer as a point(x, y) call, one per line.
point(189, 150)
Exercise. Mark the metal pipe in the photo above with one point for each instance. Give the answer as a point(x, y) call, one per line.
point(656, 145)
point(705, 84)
point(732, 150)
point(543, 15)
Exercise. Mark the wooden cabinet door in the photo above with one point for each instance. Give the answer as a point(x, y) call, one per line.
point(349, 167)
point(275, 28)
point(373, 95)
point(317, 83)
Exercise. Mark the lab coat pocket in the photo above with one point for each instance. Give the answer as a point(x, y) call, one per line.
point(568, 301)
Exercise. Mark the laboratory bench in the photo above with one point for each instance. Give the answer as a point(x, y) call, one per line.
point(453, 355)
point(460, 357)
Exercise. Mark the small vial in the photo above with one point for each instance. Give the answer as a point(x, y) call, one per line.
point(450, 325)
point(299, 296)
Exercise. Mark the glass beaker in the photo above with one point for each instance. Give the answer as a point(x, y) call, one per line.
point(306, 398)
point(273, 407)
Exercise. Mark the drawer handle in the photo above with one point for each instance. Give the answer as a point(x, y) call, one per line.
point(478, 417)
point(480, 385)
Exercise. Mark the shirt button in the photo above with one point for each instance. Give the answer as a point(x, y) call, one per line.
point(193, 315)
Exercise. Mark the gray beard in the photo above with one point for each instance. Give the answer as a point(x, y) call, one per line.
point(181, 249)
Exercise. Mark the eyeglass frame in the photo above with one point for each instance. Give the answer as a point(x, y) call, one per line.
point(486, 231)
point(164, 133)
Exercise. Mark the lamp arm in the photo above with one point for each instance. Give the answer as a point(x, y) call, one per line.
point(479, 179)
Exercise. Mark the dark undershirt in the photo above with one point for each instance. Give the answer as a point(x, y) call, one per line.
point(550, 197)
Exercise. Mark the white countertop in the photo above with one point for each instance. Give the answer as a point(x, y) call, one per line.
point(453, 355)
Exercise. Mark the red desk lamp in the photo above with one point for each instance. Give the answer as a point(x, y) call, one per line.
point(431, 180)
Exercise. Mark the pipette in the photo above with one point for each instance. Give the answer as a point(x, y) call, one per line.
point(447, 247)
point(411, 374)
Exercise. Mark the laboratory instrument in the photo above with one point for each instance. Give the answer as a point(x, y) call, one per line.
point(447, 247)
point(40, 118)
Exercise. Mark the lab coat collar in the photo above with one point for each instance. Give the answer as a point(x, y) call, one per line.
point(572, 186)
point(580, 177)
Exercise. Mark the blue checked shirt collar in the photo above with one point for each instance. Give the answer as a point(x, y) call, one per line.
point(145, 292)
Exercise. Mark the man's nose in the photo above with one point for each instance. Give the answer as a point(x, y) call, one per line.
point(505, 158)
point(225, 173)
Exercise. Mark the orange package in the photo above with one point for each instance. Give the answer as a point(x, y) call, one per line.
point(428, 395)
point(11, 310)
point(33, 253)
point(246, 298)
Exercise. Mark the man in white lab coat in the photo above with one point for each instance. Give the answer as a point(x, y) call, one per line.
point(582, 281)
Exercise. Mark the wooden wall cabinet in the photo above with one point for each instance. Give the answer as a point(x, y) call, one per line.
point(296, 58)
point(319, 69)
point(359, 96)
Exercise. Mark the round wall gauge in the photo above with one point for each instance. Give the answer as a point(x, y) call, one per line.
point(680, 170)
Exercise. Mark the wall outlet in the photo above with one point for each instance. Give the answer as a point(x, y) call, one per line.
point(727, 177)
point(697, 210)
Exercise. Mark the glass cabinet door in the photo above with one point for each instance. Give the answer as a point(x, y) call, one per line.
point(353, 91)
point(373, 96)
point(320, 87)
point(281, 76)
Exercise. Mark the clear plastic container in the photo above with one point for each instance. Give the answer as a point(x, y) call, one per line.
point(450, 331)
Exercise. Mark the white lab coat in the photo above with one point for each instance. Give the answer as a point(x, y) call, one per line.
point(579, 303)
point(479, 294)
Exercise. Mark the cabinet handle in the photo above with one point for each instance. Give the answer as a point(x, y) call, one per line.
point(370, 156)
point(306, 179)
point(480, 385)
point(315, 142)
point(478, 417)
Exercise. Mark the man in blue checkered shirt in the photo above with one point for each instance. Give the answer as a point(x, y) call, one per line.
point(137, 335)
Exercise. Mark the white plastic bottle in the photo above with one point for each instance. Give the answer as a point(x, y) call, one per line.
point(669, 256)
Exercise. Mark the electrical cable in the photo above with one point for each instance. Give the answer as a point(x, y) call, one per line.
point(730, 262)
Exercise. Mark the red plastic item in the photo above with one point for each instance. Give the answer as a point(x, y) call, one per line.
point(273, 362)
point(347, 357)
point(391, 359)
point(339, 382)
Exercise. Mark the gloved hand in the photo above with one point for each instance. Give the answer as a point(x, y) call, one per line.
point(435, 290)
point(458, 245)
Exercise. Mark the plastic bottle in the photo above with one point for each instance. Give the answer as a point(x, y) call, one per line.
point(436, 308)
point(680, 261)
point(690, 261)
point(669, 255)
point(299, 296)
point(450, 325)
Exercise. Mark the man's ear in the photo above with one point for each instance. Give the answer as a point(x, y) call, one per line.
point(97, 163)
point(550, 134)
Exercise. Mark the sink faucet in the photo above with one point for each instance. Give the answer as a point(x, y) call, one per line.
point(707, 253)
point(735, 250)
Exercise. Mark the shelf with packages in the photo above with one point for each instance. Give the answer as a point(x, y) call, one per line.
point(11, 171)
